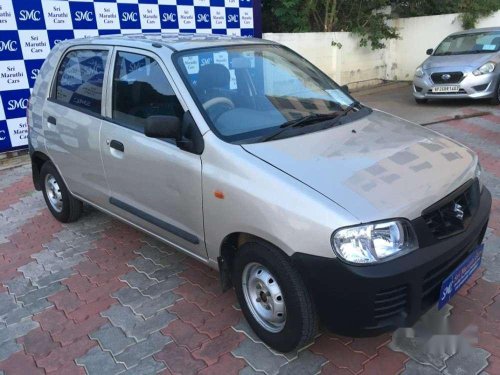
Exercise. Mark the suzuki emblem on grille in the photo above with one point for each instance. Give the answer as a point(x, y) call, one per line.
point(446, 77)
point(458, 210)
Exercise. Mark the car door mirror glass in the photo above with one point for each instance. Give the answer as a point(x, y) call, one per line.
point(163, 127)
point(429, 51)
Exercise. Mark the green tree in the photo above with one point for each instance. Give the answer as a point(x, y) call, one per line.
point(366, 18)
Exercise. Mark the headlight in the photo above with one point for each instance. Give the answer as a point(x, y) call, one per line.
point(486, 68)
point(478, 173)
point(375, 242)
point(419, 72)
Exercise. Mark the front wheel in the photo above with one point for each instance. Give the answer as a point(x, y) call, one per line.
point(63, 206)
point(495, 100)
point(273, 297)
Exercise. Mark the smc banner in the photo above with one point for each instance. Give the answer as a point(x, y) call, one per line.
point(30, 28)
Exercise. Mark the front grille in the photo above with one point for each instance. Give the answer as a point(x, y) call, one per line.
point(455, 77)
point(452, 214)
point(391, 302)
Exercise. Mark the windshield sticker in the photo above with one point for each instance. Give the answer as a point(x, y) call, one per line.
point(339, 96)
point(222, 58)
point(251, 56)
point(192, 64)
point(233, 85)
point(489, 47)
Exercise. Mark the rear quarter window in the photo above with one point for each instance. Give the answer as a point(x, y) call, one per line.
point(80, 79)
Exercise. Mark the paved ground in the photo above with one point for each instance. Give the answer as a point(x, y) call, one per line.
point(99, 297)
point(397, 98)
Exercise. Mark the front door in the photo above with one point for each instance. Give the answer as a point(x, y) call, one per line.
point(152, 182)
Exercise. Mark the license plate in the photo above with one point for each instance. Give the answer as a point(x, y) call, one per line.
point(459, 276)
point(446, 88)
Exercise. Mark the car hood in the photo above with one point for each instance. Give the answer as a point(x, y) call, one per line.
point(472, 61)
point(377, 167)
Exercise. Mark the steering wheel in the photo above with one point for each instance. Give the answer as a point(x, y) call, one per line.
point(218, 100)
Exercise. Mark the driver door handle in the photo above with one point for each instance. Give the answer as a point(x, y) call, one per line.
point(117, 145)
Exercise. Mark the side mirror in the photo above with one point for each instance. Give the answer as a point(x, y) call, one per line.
point(163, 127)
point(429, 51)
point(345, 89)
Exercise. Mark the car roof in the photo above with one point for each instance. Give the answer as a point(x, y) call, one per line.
point(174, 41)
point(481, 30)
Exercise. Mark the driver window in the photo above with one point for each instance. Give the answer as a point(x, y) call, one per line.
point(141, 90)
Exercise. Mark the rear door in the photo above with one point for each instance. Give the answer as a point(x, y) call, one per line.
point(72, 120)
point(152, 182)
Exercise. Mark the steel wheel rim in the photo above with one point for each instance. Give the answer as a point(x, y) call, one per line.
point(53, 192)
point(264, 297)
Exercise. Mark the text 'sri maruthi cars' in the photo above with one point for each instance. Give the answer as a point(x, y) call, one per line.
point(465, 64)
point(245, 156)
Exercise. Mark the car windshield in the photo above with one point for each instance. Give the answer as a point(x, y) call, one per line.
point(461, 44)
point(248, 93)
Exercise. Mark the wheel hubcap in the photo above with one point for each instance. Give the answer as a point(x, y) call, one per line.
point(53, 192)
point(264, 297)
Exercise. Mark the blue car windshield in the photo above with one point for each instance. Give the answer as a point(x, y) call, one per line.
point(469, 43)
point(248, 91)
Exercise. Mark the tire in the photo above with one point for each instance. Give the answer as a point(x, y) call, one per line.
point(496, 98)
point(63, 206)
point(301, 322)
point(420, 101)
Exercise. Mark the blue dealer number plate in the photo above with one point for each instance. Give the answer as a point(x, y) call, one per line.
point(459, 276)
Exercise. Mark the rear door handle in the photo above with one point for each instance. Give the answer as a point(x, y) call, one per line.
point(52, 120)
point(117, 145)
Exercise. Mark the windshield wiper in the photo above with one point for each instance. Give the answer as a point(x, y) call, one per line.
point(312, 119)
point(300, 122)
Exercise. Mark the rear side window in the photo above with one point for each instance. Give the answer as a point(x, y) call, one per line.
point(80, 79)
point(141, 90)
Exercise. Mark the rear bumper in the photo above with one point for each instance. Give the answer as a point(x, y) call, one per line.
point(368, 300)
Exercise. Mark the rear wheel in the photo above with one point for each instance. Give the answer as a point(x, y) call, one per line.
point(420, 101)
point(273, 297)
point(63, 206)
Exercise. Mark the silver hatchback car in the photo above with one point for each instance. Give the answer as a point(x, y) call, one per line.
point(245, 156)
point(466, 64)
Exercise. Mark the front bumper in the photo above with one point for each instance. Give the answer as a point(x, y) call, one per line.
point(471, 86)
point(368, 300)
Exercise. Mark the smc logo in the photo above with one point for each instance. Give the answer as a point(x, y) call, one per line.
point(232, 18)
point(129, 17)
point(13, 104)
point(169, 17)
point(206, 61)
point(203, 17)
point(34, 73)
point(9, 45)
point(84, 16)
point(26, 15)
